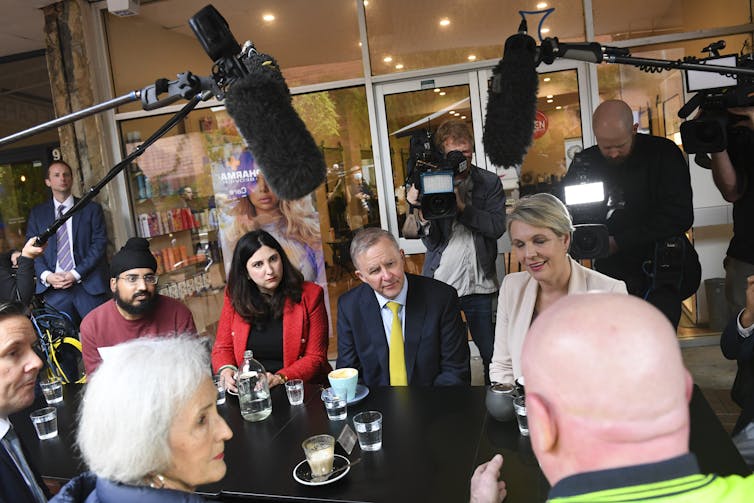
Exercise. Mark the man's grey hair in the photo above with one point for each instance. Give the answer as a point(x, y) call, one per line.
point(366, 238)
point(131, 402)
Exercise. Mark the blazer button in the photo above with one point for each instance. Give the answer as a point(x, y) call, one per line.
point(303, 341)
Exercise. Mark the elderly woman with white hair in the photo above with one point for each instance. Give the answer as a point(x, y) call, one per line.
point(149, 428)
point(540, 230)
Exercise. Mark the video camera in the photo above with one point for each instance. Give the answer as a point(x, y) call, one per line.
point(589, 201)
point(433, 175)
point(715, 95)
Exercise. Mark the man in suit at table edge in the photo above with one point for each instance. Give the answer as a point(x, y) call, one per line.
point(72, 271)
point(19, 366)
point(607, 399)
point(399, 329)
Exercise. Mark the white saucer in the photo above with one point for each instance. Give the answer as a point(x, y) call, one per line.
point(231, 392)
point(303, 474)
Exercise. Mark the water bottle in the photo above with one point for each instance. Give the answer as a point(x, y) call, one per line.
point(253, 389)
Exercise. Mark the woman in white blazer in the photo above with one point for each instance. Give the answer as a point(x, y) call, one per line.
point(540, 231)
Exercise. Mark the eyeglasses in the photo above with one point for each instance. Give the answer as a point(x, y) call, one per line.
point(132, 279)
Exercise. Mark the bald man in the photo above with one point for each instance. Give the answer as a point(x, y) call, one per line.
point(607, 398)
point(650, 177)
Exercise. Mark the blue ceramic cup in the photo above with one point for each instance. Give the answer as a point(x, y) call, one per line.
point(343, 382)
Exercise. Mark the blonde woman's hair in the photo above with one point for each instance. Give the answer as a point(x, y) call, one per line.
point(542, 210)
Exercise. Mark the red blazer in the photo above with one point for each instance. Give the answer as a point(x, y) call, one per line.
point(305, 339)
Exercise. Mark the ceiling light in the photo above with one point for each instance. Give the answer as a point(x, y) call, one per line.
point(463, 117)
point(442, 93)
point(558, 107)
point(359, 44)
point(366, 3)
point(549, 101)
point(545, 30)
point(268, 18)
point(399, 66)
point(547, 79)
point(437, 89)
point(549, 95)
point(540, 5)
point(472, 57)
point(23, 178)
point(452, 112)
point(388, 59)
point(444, 21)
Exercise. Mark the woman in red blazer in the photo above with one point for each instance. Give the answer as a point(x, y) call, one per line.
point(270, 309)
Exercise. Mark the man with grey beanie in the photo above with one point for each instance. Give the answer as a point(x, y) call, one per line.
point(136, 310)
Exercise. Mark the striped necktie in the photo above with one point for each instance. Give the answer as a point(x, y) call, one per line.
point(397, 357)
point(13, 446)
point(65, 260)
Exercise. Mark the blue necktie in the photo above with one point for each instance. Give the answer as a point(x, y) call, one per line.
point(13, 447)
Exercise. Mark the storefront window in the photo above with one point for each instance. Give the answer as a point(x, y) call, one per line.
point(196, 191)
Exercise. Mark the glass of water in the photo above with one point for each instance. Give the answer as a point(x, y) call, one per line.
point(52, 389)
point(368, 426)
point(295, 391)
point(45, 422)
point(220, 385)
point(335, 405)
point(519, 404)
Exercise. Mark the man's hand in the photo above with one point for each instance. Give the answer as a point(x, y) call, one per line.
point(30, 249)
point(61, 280)
point(412, 196)
point(485, 486)
point(747, 112)
point(747, 317)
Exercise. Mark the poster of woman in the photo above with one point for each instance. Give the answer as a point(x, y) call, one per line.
point(245, 203)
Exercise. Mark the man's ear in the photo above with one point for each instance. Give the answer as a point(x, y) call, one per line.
point(359, 275)
point(113, 282)
point(543, 429)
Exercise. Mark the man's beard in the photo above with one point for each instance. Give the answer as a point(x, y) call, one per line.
point(144, 307)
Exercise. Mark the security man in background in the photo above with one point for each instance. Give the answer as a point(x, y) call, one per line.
point(461, 251)
point(649, 177)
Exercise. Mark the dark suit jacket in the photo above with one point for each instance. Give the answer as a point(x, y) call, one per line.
point(12, 485)
point(89, 244)
point(436, 345)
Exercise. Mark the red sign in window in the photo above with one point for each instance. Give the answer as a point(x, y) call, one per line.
point(540, 125)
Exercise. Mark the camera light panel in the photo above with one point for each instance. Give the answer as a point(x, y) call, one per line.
point(699, 81)
point(584, 193)
point(437, 183)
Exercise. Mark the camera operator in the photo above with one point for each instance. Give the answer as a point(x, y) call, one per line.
point(651, 178)
point(732, 171)
point(461, 250)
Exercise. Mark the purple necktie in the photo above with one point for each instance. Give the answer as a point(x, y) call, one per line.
point(65, 260)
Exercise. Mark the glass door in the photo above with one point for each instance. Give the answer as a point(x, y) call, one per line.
point(412, 106)
point(562, 127)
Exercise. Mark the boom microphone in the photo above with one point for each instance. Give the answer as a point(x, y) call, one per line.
point(512, 101)
point(260, 104)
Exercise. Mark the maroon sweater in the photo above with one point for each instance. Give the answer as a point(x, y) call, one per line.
point(105, 326)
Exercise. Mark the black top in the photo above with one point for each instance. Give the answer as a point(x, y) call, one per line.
point(741, 152)
point(16, 284)
point(267, 344)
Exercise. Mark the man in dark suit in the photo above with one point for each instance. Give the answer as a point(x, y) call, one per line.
point(399, 329)
point(19, 366)
point(72, 273)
